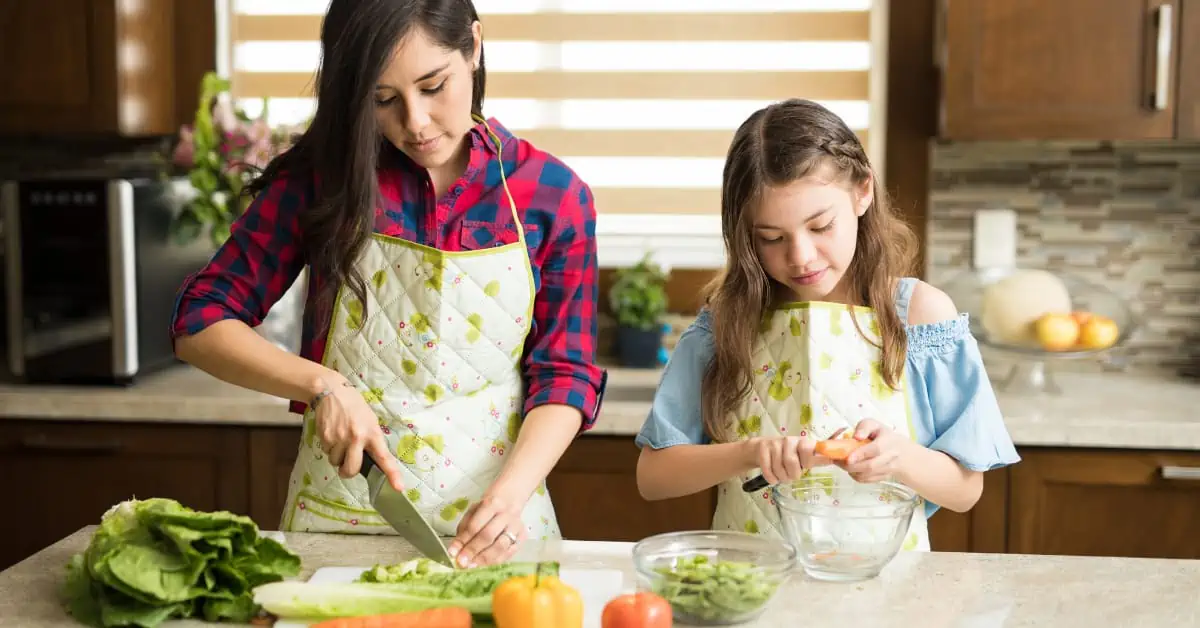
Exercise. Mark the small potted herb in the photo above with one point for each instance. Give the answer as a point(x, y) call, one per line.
point(638, 299)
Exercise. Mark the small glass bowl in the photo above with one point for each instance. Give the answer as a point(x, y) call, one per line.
point(846, 533)
point(713, 577)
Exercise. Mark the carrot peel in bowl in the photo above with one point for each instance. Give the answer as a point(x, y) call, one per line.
point(838, 448)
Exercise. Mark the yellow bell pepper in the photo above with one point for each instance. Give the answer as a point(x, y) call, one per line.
point(536, 601)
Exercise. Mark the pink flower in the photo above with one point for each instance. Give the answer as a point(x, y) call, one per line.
point(185, 151)
point(224, 117)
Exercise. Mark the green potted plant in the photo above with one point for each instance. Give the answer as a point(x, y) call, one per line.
point(638, 299)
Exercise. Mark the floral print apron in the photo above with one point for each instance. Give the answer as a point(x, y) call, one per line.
point(810, 359)
point(436, 353)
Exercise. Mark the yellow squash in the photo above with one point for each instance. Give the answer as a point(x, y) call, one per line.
point(536, 601)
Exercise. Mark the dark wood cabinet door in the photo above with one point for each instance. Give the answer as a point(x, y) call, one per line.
point(60, 477)
point(273, 453)
point(594, 488)
point(1188, 117)
point(984, 528)
point(89, 67)
point(1058, 69)
point(1105, 503)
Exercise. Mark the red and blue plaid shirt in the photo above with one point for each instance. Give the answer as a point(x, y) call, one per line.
point(262, 257)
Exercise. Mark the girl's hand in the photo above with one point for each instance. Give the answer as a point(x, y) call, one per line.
point(884, 457)
point(346, 426)
point(783, 458)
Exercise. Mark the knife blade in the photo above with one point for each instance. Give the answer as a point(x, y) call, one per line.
point(399, 511)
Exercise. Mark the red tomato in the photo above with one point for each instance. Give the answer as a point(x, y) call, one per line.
point(636, 610)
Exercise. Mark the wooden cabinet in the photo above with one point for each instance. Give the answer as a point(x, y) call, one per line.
point(102, 67)
point(594, 487)
point(1105, 503)
point(1067, 69)
point(1083, 502)
point(59, 477)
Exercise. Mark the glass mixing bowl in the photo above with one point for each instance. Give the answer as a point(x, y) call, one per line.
point(713, 577)
point(847, 532)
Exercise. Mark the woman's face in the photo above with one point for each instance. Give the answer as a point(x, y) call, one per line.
point(423, 98)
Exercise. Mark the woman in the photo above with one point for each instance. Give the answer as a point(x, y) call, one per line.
point(450, 323)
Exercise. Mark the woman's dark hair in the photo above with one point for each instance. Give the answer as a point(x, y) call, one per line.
point(340, 149)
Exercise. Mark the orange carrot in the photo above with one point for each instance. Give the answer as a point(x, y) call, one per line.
point(838, 448)
point(443, 617)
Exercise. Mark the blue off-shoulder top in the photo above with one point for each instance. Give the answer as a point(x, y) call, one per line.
point(953, 406)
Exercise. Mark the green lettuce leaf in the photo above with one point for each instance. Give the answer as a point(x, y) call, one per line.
point(153, 560)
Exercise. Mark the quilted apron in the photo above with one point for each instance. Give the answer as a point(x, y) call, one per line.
point(810, 361)
point(436, 353)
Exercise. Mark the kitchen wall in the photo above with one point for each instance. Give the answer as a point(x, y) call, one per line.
point(1126, 215)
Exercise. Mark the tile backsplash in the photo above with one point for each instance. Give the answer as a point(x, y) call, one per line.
point(1126, 215)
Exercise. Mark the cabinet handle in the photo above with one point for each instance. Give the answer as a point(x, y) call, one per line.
point(39, 442)
point(1162, 56)
point(1180, 473)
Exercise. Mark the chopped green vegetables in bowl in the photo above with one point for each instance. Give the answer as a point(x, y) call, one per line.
point(713, 577)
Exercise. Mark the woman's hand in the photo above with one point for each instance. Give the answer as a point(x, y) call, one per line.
point(884, 457)
point(489, 532)
point(783, 458)
point(346, 426)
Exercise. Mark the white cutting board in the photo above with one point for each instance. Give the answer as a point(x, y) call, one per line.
point(596, 586)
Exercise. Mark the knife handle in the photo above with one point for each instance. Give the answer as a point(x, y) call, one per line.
point(367, 463)
point(754, 485)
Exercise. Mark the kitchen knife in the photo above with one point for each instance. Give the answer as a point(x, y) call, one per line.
point(837, 399)
point(402, 514)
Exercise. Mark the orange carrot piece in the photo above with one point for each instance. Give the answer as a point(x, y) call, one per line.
point(838, 448)
point(443, 617)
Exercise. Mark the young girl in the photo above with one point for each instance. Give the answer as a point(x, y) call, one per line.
point(811, 329)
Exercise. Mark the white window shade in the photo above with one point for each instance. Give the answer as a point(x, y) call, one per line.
point(640, 97)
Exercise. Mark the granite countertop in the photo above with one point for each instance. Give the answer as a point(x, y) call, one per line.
point(916, 589)
point(1095, 410)
point(184, 394)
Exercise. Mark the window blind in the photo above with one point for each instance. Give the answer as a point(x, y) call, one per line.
point(640, 97)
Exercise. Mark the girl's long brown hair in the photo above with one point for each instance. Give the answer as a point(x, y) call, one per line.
point(775, 146)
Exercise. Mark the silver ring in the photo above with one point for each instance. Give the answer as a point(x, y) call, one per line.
point(511, 537)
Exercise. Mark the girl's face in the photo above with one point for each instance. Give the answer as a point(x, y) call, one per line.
point(805, 234)
point(423, 99)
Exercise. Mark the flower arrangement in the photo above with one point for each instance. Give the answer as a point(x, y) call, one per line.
point(220, 152)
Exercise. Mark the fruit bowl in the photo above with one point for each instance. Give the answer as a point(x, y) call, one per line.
point(713, 577)
point(1040, 315)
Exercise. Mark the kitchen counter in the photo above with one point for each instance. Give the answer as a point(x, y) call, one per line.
point(917, 589)
point(186, 395)
point(1097, 410)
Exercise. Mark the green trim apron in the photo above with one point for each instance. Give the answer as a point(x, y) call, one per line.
point(437, 356)
point(809, 358)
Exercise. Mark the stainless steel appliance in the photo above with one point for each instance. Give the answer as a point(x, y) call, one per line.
point(91, 276)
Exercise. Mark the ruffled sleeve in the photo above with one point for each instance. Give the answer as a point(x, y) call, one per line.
point(952, 393)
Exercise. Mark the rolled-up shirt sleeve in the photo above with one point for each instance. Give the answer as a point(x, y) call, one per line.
point(561, 361)
point(253, 268)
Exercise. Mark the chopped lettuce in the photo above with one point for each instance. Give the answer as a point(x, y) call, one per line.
point(153, 560)
point(406, 587)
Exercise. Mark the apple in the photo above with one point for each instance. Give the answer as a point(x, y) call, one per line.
point(1099, 332)
point(1056, 331)
point(1082, 317)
